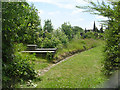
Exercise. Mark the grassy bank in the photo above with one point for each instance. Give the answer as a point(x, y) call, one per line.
point(80, 71)
point(76, 46)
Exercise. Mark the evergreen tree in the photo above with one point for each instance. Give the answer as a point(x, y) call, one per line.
point(85, 30)
point(94, 27)
point(101, 29)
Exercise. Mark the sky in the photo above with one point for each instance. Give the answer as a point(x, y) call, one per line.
point(60, 11)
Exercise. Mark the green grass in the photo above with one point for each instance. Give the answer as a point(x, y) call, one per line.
point(40, 63)
point(77, 44)
point(80, 71)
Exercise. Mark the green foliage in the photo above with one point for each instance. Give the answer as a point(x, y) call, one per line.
point(61, 36)
point(20, 68)
point(90, 35)
point(112, 50)
point(48, 26)
point(77, 29)
point(67, 29)
point(50, 43)
point(49, 56)
point(52, 39)
point(20, 23)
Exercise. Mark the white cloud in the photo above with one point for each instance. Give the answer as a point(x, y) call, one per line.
point(54, 13)
point(68, 4)
point(46, 1)
point(81, 2)
point(77, 11)
point(41, 11)
point(101, 17)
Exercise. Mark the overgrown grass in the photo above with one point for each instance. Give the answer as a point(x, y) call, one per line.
point(77, 44)
point(80, 71)
point(41, 63)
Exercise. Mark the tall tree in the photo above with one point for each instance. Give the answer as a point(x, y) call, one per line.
point(101, 29)
point(77, 29)
point(85, 30)
point(94, 27)
point(48, 26)
point(67, 29)
point(19, 24)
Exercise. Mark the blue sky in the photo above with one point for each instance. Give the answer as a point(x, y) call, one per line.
point(60, 11)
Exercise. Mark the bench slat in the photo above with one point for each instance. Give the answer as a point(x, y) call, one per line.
point(38, 51)
point(46, 49)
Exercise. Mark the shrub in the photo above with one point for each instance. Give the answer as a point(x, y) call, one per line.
point(61, 36)
point(112, 49)
point(20, 68)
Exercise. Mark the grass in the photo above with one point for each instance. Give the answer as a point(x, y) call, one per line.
point(41, 63)
point(77, 44)
point(81, 71)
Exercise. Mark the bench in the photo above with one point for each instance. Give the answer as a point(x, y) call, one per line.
point(34, 49)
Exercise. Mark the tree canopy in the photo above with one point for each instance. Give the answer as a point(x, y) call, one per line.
point(48, 26)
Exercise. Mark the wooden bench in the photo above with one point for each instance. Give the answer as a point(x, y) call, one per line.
point(34, 49)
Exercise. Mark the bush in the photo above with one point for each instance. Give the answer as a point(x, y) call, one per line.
point(20, 68)
point(40, 41)
point(112, 49)
point(61, 36)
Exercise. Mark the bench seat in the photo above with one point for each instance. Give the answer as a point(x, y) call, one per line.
point(38, 51)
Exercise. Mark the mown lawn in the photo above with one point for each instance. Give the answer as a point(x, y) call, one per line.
point(80, 71)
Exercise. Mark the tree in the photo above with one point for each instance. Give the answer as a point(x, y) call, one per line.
point(48, 26)
point(111, 10)
point(19, 25)
point(101, 29)
point(61, 35)
point(67, 29)
point(85, 30)
point(95, 29)
point(77, 29)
